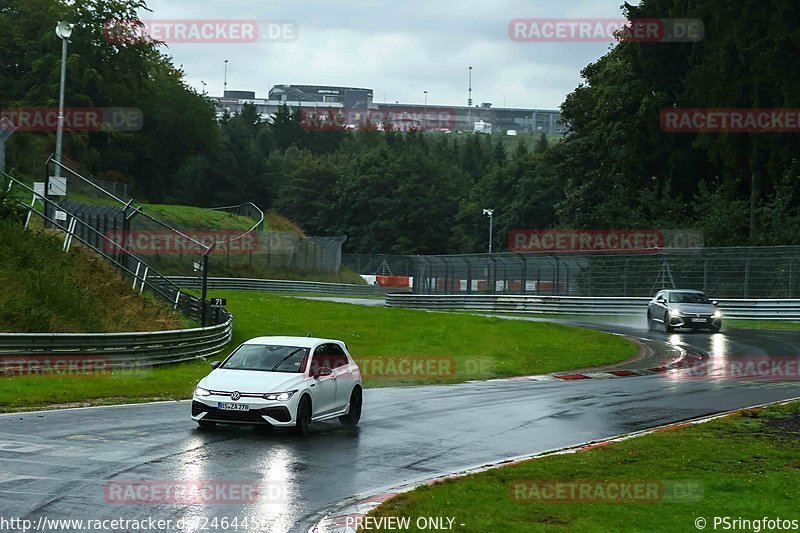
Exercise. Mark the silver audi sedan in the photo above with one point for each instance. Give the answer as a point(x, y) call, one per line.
point(683, 309)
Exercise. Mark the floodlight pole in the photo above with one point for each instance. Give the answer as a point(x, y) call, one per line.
point(60, 127)
point(425, 115)
point(469, 103)
point(489, 213)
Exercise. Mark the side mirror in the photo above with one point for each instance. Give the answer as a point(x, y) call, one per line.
point(714, 302)
point(216, 364)
point(322, 371)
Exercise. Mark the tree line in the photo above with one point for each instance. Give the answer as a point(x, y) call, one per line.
point(415, 192)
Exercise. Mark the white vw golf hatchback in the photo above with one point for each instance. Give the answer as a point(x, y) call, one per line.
point(283, 382)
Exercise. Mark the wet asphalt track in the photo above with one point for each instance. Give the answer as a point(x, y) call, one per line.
point(55, 464)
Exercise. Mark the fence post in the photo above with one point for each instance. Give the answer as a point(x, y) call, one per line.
point(746, 277)
point(205, 289)
point(469, 276)
point(625, 278)
point(269, 249)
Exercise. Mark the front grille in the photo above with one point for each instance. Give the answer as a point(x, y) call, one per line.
point(253, 415)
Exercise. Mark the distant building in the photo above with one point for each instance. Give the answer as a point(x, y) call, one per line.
point(349, 97)
point(317, 98)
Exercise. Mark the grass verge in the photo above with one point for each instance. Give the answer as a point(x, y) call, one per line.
point(477, 347)
point(787, 325)
point(481, 347)
point(752, 475)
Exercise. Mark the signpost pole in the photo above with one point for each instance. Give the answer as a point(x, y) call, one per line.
point(7, 128)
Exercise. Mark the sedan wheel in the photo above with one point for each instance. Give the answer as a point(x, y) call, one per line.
point(650, 324)
point(354, 413)
point(303, 416)
point(667, 327)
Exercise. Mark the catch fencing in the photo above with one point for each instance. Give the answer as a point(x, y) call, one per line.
point(283, 286)
point(250, 250)
point(735, 272)
point(141, 273)
point(380, 264)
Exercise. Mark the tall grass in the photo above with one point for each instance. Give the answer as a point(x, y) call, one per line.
point(47, 290)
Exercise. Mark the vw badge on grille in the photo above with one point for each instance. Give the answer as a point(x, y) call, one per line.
point(235, 395)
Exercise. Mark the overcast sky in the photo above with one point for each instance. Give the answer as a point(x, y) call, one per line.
point(398, 48)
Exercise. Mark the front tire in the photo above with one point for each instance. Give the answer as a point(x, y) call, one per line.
point(354, 413)
point(667, 327)
point(650, 324)
point(303, 421)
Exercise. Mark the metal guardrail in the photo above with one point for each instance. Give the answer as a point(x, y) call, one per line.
point(747, 309)
point(277, 285)
point(119, 349)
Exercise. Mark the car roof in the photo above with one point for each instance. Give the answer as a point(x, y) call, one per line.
point(299, 342)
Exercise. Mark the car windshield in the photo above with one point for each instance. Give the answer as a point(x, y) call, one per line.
point(688, 298)
point(267, 358)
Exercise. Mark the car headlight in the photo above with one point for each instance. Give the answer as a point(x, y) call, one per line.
point(279, 396)
point(675, 313)
point(200, 391)
point(716, 314)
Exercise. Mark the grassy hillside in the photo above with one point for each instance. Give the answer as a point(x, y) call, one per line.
point(47, 290)
point(195, 218)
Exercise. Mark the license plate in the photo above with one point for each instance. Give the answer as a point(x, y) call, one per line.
point(233, 406)
point(698, 320)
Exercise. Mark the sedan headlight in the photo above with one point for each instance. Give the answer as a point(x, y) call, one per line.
point(675, 313)
point(200, 391)
point(279, 396)
point(716, 314)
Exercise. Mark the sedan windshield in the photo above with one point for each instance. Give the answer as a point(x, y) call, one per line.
point(266, 358)
point(688, 298)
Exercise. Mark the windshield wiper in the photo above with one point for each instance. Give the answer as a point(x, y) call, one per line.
point(284, 359)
